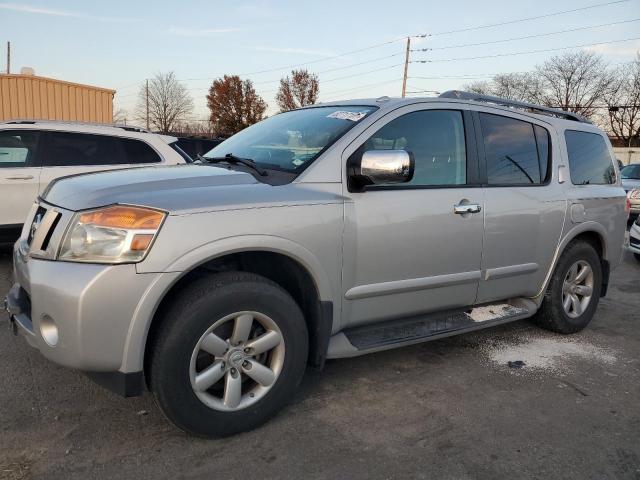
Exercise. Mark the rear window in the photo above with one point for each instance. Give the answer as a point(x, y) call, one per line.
point(590, 162)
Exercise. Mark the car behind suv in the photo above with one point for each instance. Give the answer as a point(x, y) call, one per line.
point(33, 153)
point(326, 232)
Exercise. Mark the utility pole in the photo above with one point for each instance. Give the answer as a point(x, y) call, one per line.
point(8, 58)
point(147, 95)
point(406, 68)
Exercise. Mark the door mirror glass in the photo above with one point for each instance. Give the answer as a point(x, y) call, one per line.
point(385, 167)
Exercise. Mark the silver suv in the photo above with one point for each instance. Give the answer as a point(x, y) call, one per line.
point(321, 233)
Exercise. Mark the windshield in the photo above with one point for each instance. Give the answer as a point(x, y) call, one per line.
point(292, 140)
point(631, 172)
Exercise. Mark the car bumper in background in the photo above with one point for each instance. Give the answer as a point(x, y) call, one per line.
point(634, 238)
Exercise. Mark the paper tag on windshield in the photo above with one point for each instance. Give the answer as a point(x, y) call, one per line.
point(344, 115)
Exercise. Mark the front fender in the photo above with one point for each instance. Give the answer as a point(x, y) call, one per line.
point(133, 358)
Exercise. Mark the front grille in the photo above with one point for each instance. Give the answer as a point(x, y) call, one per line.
point(634, 241)
point(37, 220)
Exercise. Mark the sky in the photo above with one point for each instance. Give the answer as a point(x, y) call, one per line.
point(357, 48)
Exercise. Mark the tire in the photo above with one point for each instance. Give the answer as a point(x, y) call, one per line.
point(174, 367)
point(637, 256)
point(552, 314)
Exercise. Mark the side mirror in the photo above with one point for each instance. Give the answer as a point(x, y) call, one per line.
point(384, 167)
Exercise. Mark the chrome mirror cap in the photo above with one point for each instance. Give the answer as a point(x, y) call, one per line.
point(387, 166)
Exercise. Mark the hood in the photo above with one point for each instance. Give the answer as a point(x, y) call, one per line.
point(180, 189)
point(151, 186)
point(630, 183)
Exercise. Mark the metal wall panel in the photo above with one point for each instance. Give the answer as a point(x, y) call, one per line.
point(28, 97)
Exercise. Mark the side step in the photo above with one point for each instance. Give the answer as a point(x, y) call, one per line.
point(394, 333)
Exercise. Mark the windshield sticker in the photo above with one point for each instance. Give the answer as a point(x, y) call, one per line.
point(344, 115)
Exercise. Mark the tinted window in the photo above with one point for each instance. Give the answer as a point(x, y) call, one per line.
point(139, 152)
point(17, 148)
point(511, 151)
point(589, 159)
point(544, 151)
point(631, 172)
point(73, 149)
point(436, 140)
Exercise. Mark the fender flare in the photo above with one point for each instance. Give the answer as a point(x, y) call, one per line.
point(133, 355)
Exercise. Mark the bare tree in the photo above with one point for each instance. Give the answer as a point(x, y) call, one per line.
point(234, 105)
point(518, 86)
point(299, 90)
point(169, 102)
point(120, 115)
point(514, 86)
point(575, 81)
point(623, 102)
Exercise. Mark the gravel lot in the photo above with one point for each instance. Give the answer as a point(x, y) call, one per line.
point(446, 409)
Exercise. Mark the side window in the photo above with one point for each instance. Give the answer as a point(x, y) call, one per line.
point(139, 152)
point(516, 152)
point(544, 152)
point(81, 149)
point(589, 160)
point(17, 148)
point(436, 140)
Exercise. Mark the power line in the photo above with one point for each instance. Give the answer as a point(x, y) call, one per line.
point(537, 17)
point(526, 52)
point(525, 37)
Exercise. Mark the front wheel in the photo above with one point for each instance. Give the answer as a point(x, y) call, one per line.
point(228, 354)
point(637, 256)
point(572, 296)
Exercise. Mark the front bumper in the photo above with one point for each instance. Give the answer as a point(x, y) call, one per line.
point(91, 307)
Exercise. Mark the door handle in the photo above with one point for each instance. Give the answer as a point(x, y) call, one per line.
point(20, 177)
point(463, 208)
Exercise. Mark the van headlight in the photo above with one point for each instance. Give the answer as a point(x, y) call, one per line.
point(115, 234)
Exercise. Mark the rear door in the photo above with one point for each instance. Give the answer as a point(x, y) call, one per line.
point(70, 153)
point(524, 204)
point(19, 177)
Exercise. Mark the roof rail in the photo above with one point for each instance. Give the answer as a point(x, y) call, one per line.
point(504, 102)
point(128, 128)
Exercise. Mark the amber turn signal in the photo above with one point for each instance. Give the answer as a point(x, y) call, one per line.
point(122, 216)
point(141, 241)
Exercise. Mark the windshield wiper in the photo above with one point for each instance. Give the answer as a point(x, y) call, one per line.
point(232, 159)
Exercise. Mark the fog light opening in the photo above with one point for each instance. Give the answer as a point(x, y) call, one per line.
point(49, 330)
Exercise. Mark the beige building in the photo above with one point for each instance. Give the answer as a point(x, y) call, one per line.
point(25, 96)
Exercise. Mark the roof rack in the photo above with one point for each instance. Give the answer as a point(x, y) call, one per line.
point(128, 128)
point(460, 95)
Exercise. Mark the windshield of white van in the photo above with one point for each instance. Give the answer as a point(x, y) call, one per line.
point(290, 141)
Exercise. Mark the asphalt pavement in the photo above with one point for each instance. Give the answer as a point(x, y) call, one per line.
point(508, 402)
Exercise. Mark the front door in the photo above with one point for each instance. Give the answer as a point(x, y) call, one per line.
point(406, 251)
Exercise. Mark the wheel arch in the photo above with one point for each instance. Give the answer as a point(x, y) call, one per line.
point(591, 232)
point(286, 263)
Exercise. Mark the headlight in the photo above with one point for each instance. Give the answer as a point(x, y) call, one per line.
point(116, 234)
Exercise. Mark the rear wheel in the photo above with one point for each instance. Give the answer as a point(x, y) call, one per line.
point(229, 353)
point(572, 296)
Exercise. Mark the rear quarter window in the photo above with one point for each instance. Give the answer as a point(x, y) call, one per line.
point(139, 152)
point(590, 162)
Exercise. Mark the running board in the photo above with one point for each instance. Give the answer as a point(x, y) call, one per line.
point(395, 333)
